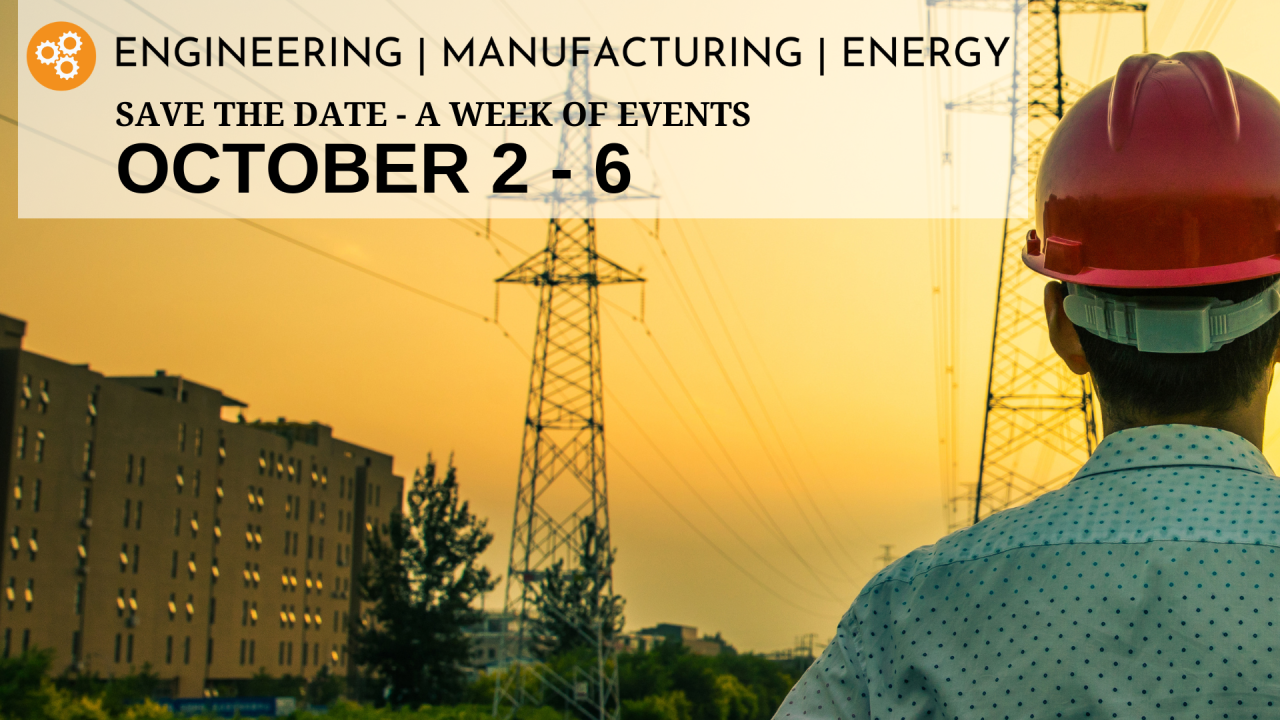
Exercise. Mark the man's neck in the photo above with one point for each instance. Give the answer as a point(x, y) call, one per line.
point(1245, 419)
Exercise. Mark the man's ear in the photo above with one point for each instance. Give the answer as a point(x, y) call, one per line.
point(1062, 333)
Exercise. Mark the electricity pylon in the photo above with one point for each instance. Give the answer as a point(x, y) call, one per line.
point(562, 492)
point(1039, 424)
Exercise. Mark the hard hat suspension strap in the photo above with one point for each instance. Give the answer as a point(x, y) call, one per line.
point(1159, 324)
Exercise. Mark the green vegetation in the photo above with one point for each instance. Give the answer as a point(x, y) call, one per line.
point(420, 584)
point(670, 683)
point(577, 608)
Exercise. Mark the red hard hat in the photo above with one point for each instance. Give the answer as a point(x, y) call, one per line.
point(1167, 175)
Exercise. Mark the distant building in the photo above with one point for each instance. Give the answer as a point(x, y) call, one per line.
point(492, 640)
point(687, 636)
point(140, 527)
point(637, 642)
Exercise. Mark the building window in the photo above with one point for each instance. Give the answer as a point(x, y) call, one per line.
point(128, 515)
point(119, 644)
point(311, 511)
point(195, 484)
point(168, 650)
point(377, 496)
point(30, 594)
point(142, 469)
point(75, 645)
point(91, 412)
point(38, 455)
point(128, 652)
point(186, 650)
point(191, 566)
point(17, 493)
point(208, 654)
point(173, 605)
point(120, 602)
point(320, 550)
point(26, 639)
point(252, 647)
point(191, 606)
point(253, 614)
point(22, 442)
point(43, 405)
point(195, 523)
point(217, 490)
point(213, 609)
point(137, 525)
point(177, 521)
point(178, 479)
point(82, 551)
point(222, 448)
point(84, 503)
point(15, 544)
point(35, 496)
point(199, 441)
point(78, 601)
point(88, 456)
point(33, 546)
point(244, 645)
point(128, 470)
point(311, 540)
point(182, 437)
point(262, 462)
point(24, 402)
point(124, 557)
point(136, 552)
point(173, 572)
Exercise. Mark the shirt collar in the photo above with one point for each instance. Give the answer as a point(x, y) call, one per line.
point(1173, 445)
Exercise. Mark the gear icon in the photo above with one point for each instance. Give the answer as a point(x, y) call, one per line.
point(75, 67)
point(70, 35)
point(47, 59)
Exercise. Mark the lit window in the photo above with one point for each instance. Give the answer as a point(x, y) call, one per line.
point(22, 442)
point(33, 547)
point(25, 401)
point(191, 566)
point(39, 450)
point(17, 493)
point(173, 605)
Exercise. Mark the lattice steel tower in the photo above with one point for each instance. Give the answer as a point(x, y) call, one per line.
point(562, 486)
point(1039, 425)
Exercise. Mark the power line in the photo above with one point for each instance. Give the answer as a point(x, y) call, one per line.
point(293, 241)
point(663, 394)
point(771, 522)
point(692, 526)
point(746, 412)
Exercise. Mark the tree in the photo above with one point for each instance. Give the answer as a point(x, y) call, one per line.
point(574, 605)
point(421, 580)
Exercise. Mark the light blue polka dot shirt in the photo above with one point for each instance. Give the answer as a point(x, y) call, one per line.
point(1144, 588)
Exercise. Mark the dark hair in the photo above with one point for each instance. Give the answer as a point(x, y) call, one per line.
point(1135, 384)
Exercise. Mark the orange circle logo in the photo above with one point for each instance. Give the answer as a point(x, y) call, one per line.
point(61, 56)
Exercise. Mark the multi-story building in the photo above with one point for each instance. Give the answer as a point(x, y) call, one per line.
point(140, 526)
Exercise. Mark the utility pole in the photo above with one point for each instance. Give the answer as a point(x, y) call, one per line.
point(1039, 425)
point(562, 491)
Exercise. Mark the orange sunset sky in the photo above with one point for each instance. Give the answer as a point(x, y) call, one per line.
point(830, 321)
